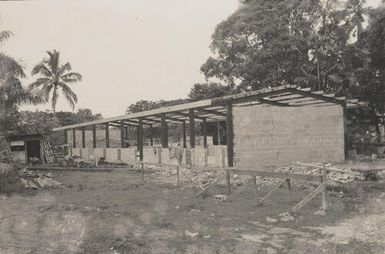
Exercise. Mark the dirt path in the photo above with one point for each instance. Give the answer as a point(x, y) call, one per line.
point(111, 212)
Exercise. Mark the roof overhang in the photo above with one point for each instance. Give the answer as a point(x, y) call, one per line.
point(213, 110)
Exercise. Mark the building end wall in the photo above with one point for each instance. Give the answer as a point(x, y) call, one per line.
point(277, 136)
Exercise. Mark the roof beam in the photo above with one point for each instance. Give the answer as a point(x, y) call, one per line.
point(274, 103)
point(213, 112)
point(318, 96)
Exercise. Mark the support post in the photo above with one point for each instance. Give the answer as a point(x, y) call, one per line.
point(230, 135)
point(74, 138)
point(323, 194)
point(83, 137)
point(94, 136)
point(219, 133)
point(345, 121)
point(65, 137)
point(151, 136)
point(228, 183)
point(140, 139)
point(107, 135)
point(164, 132)
point(177, 175)
point(204, 132)
point(184, 133)
point(122, 143)
point(126, 135)
point(142, 171)
point(192, 128)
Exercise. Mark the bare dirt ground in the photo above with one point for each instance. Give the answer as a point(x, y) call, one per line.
point(111, 212)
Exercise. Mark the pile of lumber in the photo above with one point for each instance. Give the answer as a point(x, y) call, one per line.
point(36, 179)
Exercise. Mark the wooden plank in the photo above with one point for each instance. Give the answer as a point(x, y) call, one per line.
point(328, 168)
point(193, 181)
point(272, 190)
point(213, 112)
point(272, 174)
point(308, 197)
point(209, 186)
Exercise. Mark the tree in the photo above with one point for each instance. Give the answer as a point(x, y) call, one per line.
point(369, 71)
point(277, 42)
point(53, 77)
point(143, 105)
point(12, 93)
point(208, 90)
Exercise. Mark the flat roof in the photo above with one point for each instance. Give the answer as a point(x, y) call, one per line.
point(213, 110)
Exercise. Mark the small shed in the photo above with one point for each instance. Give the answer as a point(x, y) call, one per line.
point(24, 147)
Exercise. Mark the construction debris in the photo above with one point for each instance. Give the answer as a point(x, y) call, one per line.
point(36, 179)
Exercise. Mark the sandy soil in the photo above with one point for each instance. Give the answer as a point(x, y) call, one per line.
point(111, 212)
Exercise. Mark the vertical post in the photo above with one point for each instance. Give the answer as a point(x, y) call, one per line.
point(83, 137)
point(228, 183)
point(151, 136)
point(345, 131)
point(323, 194)
point(122, 140)
point(219, 132)
point(177, 175)
point(142, 171)
point(184, 134)
point(94, 136)
point(65, 137)
point(140, 139)
point(126, 135)
point(230, 135)
point(164, 135)
point(74, 138)
point(107, 135)
point(204, 132)
point(192, 127)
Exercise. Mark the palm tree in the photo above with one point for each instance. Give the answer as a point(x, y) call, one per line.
point(12, 93)
point(53, 77)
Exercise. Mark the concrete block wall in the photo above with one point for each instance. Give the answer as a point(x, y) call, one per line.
point(151, 154)
point(195, 157)
point(112, 154)
point(99, 152)
point(199, 156)
point(275, 136)
point(128, 155)
point(76, 152)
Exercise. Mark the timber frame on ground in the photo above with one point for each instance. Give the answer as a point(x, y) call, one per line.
point(211, 110)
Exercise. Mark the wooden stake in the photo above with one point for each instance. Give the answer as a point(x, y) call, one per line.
point(177, 175)
point(323, 194)
point(142, 172)
point(228, 181)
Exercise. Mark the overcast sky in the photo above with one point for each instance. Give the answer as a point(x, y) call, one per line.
point(126, 50)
